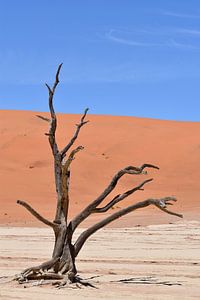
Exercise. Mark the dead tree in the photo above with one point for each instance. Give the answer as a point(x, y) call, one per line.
point(62, 267)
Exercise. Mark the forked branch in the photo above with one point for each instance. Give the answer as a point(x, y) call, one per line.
point(61, 167)
point(93, 205)
point(82, 122)
point(72, 156)
point(160, 203)
point(120, 197)
point(163, 202)
point(36, 214)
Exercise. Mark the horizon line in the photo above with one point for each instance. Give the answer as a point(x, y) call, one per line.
point(103, 115)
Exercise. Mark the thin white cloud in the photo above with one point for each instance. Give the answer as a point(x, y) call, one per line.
point(174, 43)
point(110, 36)
point(172, 38)
point(180, 15)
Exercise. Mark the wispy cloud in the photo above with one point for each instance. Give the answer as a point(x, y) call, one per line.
point(176, 44)
point(112, 36)
point(180, 15)
point(172, 38)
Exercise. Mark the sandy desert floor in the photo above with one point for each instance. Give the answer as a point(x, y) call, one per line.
point(150, 262)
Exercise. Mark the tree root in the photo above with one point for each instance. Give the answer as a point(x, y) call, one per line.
point(58, 280)
point(39, 272)
point(77, 283)
point(40, 275)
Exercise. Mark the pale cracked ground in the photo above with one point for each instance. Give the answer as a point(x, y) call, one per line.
point(152, 262)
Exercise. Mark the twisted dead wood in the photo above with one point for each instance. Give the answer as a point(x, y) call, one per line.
point(36, 214)
point(93, 205)
point(160, 203)
point(62, 266)
point(120, 197)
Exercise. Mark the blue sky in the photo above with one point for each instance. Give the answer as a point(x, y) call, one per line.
point(120, 57)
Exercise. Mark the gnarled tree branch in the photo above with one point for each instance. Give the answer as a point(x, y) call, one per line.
point(71, 156)
point(36, 214)
point(52, 141)
point(92, 206)
point(163, 202)
point(160, 203)
point(82, 122)
point(53, 124)
point(120, 197)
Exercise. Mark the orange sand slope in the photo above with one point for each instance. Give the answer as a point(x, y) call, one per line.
point(111, 143)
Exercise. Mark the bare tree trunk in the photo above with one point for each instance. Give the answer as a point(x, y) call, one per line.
point(62, 265)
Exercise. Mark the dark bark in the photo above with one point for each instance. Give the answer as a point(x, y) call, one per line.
point(160, 203)
point(120, 197)
point(62, 265)
point(93, 205)
point(36, 214)
point(82, 123)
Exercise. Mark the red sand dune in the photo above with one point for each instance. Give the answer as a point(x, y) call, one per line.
point(111, 143)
